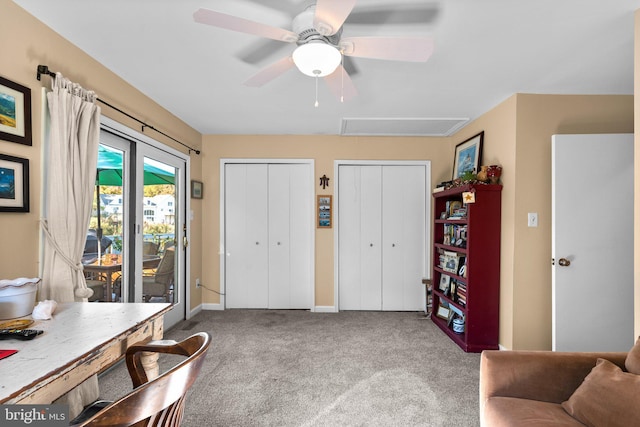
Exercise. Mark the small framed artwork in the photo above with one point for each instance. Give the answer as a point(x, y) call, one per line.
point(445, 282)
point(196, 189)
point(443, 312)
point(14, 184)
point(324, 211)
point(15, 112)
point(468, 155)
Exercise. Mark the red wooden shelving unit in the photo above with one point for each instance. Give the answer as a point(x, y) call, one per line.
point(482, 279)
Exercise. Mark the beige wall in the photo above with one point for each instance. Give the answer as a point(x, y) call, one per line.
point(29, 43)
point(324, 150)
point(539, 117)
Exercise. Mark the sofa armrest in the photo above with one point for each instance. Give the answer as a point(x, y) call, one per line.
point(538, 375)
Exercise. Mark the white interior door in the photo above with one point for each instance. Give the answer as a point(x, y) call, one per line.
point(246, 236)
point(268, 235)
point(592, 242)
point(403, 236)
point(382, 236)
point(360, 249)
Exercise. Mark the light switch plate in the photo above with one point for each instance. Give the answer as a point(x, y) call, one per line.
point(532, 219)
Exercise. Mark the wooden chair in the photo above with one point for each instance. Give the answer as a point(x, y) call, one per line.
point(159, 402)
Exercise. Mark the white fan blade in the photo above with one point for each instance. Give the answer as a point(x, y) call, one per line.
point(271, 72)
point(341, 84)
point(331, 14)
point(229, 22)
point(412, 49)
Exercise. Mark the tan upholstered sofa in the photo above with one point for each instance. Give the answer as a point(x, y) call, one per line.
point(544, 388)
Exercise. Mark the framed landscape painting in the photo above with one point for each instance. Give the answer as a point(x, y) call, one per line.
point(15, 112)
point(468, 155)
point(14, 184)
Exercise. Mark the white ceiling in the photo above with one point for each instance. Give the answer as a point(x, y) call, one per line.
point(485, 50)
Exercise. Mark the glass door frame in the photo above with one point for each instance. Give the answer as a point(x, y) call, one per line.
point(134, 236)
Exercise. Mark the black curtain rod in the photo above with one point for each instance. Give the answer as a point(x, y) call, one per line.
point(43, 69)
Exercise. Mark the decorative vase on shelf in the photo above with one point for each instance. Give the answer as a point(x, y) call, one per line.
point(494, 172)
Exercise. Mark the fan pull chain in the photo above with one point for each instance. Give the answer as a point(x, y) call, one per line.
point(316, 104)
point(342, 78)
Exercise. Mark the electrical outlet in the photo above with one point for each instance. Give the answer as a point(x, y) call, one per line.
point(532, 219)
point(198, 283)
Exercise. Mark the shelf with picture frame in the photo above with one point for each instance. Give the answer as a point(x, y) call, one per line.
point(468, 278)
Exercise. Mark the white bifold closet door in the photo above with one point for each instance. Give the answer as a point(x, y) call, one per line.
point(382, 237)
point(268, 230)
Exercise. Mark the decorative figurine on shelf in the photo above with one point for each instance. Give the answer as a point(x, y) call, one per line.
point(494, 172)
point(482, 175)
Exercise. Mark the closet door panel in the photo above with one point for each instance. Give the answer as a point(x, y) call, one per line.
point(360, 238)
point(349, 247)
point(279, 235)
point(246, 239)
point(301, 227)
point(290, 228)
point(403, 229)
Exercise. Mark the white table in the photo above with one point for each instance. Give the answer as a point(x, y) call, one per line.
point(81, 340)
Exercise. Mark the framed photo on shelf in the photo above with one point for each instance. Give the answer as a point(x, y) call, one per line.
point(14, 184)
point(443, 312)
point(324, 211)
point(468, 155)
point(196, 189)
point(445, 282)
point(15, 112)
point(451, 261)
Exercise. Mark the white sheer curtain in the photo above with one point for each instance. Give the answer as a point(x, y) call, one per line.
point(73, 154)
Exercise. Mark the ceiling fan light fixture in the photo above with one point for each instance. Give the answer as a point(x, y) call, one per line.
point(317, 59)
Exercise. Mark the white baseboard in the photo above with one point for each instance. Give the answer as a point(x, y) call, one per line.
point(210, 306)
point(195, 311)
point(325, 309)
point(502, 348)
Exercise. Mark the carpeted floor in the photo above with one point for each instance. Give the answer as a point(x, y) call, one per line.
point(296, 368)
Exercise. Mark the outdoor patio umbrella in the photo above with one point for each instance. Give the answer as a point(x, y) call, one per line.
point(109, 172)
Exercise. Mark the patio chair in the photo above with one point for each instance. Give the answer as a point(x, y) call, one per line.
point(157, 402)
point(150, 248)
point(161, 283)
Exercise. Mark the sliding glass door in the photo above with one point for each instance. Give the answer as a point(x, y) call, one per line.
point(160, 224)
point(135, 248)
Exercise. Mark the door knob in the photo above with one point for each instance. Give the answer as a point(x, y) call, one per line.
point(563, 262)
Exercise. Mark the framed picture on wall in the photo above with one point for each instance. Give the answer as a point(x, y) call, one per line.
point(14, 184)
point(15, 112)
point(468, 155)
point(196, 189)
point(324, 211)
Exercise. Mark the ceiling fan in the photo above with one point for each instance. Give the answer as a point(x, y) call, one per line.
point(318, 33)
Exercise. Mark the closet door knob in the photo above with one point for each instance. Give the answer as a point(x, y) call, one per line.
point(257, 243)
point(278, 243)
point(393, 245)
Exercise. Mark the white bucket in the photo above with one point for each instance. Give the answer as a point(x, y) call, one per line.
point(17, 297)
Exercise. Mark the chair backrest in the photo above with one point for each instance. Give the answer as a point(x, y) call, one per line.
point(160, 401)
point(150, 248)
point(164, 272)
